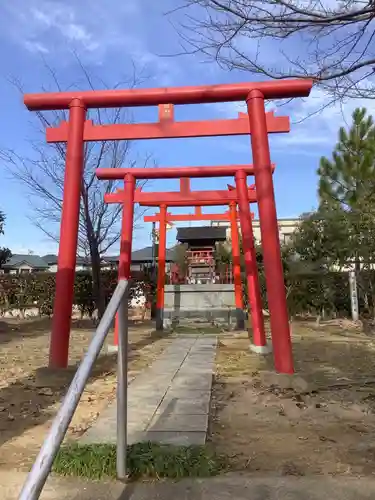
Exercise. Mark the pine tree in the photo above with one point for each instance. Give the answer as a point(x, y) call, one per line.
point(348, 180)
point(347, 199)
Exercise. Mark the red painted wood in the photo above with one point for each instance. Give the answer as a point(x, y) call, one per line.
point(271, 89)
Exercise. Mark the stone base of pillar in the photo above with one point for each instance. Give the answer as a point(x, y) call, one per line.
point(261, 349)
point(159, 320)
point(240, 319)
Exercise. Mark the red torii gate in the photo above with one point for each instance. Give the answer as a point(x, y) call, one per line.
point(198, 215)
point(186, 197)
point(167, 128)
point(231, 216)
point(78, 102)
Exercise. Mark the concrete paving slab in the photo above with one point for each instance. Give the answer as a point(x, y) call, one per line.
point(170, 437)
point(197, 348)
point(183, 393)
point(139, 416)
point(140, 400)
point(197, 380)
point(191, 371)
point(178, 406)
point(200, 356)
point(166, 368)
point(197, 383)
point(169, 399)
point(202, 362)
point(179, 423)
point(149, 388)
point(196, 368)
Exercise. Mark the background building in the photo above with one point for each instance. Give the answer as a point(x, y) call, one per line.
point(286, 228)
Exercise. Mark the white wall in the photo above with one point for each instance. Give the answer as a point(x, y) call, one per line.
point(286, 228)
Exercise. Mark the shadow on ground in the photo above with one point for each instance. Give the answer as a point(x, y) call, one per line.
point(28, 401)
point(11, 329)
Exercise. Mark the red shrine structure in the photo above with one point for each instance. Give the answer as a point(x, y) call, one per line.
point(195, 260)
point(187, 238)
point(200, 255)
point(78, 130)
point(186, 197)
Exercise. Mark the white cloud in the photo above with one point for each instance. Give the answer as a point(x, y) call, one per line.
point(96, 30)
point(36, 47)
point(315, 120)
point(50, 24)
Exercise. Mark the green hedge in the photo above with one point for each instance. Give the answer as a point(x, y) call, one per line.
point(306, 294)
point(326, 292)
point(315, 294)
point(38, 290)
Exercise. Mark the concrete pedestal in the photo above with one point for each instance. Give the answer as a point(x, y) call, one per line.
point(210, 302)
point(261, 349)
point(159, 319)
point(240, 319)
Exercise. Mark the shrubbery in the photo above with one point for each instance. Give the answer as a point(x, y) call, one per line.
point(307, 294)
point(37, 290)
point(325, 294)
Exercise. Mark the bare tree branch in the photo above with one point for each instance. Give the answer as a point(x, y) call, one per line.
point(332, 42)
point(42, 173)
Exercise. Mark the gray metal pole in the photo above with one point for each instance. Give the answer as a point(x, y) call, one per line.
point(42, 466)
point(122, 388)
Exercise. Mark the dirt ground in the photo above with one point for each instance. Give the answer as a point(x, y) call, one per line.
point(30, 394)
point(325, 424)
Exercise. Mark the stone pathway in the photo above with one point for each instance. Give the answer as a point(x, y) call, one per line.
point(168, 402)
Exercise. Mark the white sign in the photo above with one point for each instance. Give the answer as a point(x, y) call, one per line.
point(353, 295)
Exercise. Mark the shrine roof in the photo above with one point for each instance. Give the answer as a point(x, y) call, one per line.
point(185, 234)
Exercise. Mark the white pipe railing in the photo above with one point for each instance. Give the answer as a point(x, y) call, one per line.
point(38, 475)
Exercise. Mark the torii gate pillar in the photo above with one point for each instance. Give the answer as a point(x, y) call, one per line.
point(161, 268)
point(236, 259)
point(270, 234)
point(64, 291)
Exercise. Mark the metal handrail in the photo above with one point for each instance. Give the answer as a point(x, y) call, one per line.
point(38, 475)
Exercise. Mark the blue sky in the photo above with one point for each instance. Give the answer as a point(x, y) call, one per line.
point(110, 39)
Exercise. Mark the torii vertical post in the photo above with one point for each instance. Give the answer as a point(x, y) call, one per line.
point(161, 267)
point(270, 234)
point(255, 301)
point(236, 266)
point(64, 291)
point(126, 236)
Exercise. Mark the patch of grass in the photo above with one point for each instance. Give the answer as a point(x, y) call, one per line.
point(151, 460)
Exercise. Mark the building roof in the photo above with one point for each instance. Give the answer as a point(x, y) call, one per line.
point(216, 233)
point(31, 260)
point(35, 261)
point(51, 259)
point(142, 255)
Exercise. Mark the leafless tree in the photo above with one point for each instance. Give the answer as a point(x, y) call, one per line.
point(42, 172)
point(330, 41)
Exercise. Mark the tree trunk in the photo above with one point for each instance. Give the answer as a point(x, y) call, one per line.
point(317, 321)
point(97, 288)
